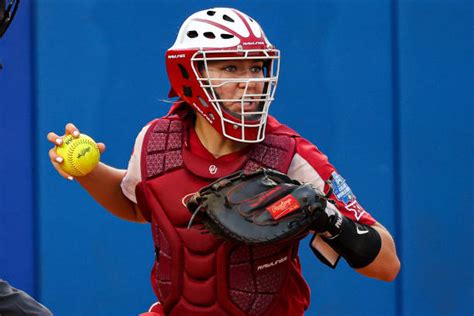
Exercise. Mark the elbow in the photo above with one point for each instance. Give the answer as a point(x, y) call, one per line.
point(384, 271)
point(391, 271)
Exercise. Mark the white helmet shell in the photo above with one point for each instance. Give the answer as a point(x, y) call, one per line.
point(198, 31)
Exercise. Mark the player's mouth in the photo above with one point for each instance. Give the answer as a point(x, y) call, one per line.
point(251, 109)
point(249, 106)
point(245, 107)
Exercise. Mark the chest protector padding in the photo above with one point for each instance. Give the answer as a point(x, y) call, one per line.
point(196, 273)
point(163, 148)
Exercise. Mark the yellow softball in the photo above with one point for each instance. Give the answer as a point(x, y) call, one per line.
point(80, 155)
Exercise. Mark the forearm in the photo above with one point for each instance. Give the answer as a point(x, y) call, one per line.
point(370, 250)
point(386, 265)
point(103, 184)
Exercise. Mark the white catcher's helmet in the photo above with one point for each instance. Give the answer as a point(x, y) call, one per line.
point(223, 34)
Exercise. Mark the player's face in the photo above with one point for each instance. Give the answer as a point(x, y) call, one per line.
point(231, 69)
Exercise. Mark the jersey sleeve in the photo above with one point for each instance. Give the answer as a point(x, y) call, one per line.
point(311, 166)
point(133, 175)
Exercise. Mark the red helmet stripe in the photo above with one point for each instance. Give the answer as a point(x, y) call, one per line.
point(246, 23)
point(225, 28)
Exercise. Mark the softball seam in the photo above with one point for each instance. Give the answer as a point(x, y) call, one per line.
point(70, 153)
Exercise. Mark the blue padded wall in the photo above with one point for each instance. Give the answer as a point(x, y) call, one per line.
point(436, 67)
point(17, 165)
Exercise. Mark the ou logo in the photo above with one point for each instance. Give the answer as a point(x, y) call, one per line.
point(212, 169)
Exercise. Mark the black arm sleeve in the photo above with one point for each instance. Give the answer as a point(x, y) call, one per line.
point(359, 244)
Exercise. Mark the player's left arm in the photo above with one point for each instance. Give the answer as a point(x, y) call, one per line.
point(367, 248)
point(386, 264)
point(346, 229)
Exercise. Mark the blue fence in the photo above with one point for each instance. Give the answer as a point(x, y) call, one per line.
point(384, 88)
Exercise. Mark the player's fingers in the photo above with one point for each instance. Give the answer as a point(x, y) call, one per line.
point(71, 129)
point(56, 161)
point(55, 139)
point(101, 147)
point(54, 157)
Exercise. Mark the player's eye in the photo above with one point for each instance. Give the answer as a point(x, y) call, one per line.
point(256, 69)
point(230, 68)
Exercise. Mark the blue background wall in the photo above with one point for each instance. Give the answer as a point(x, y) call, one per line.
point(18, 209)
point(384, 88)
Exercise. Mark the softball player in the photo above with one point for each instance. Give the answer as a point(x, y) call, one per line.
point(223, 71)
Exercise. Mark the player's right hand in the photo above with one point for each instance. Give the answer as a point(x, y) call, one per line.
point(56, 140)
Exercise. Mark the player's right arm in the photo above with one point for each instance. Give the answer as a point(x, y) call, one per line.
point(103, 183)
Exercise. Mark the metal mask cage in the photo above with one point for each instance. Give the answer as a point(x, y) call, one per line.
point(255, 119)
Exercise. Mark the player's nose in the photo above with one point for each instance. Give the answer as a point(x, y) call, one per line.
point(248, 82)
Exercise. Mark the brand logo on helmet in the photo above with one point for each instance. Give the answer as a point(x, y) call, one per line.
point(253, 43)
point(176, 56)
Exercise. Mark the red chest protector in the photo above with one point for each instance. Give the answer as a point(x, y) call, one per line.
point(195, 273)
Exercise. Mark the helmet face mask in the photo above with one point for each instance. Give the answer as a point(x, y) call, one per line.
point(253, 105)
point(225, 35)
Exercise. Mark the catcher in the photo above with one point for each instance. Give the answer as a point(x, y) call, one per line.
point(230, 191)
